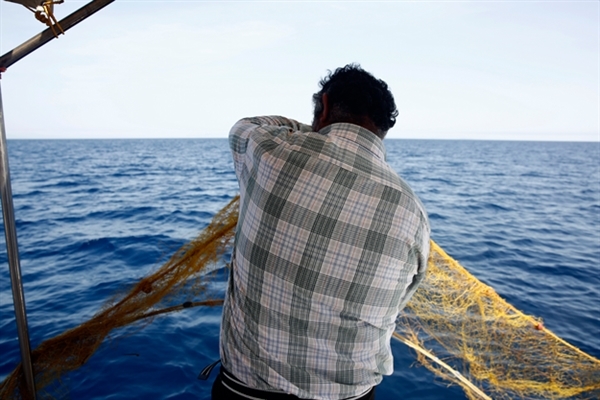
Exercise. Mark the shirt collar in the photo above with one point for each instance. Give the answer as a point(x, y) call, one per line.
point(357, 134)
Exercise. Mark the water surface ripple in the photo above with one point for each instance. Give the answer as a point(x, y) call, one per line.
point(93, 216)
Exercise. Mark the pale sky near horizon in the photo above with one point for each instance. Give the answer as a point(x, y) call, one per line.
point(502, 70)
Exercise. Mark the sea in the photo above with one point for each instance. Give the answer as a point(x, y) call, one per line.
point(94, 216)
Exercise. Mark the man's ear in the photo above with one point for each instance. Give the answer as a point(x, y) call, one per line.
point(324, 117)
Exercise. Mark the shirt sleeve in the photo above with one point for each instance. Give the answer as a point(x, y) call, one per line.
point(258, 130)
point(262, 126)
point(418, 254)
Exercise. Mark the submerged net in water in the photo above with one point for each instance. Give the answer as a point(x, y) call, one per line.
point(487, 346)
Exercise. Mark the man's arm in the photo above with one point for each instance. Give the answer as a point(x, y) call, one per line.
point(274, 121)
point(418, 255)
point(268, 126)
point(259, 129)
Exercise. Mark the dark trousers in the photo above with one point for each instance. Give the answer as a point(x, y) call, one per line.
point(226, 388)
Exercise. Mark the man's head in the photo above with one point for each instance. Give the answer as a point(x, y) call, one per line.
point(351, 94)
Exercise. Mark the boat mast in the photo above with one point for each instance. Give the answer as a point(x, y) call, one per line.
point(10, 231)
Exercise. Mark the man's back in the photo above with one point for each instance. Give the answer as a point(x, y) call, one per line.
point(330, 245)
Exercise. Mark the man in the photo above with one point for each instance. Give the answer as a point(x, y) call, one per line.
point(330, 246)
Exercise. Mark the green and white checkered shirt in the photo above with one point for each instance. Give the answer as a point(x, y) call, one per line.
point(330, 246)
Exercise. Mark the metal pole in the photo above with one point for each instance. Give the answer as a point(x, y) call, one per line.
point(12, 250)
point(8, 213)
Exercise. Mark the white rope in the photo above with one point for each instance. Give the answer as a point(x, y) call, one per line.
point(454, 372)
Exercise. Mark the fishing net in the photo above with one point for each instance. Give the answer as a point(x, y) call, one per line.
point(499, 350)
point(478, 341)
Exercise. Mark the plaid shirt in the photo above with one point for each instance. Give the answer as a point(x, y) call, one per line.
point(330, 246)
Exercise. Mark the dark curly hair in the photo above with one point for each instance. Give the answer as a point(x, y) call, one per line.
point(353, 95)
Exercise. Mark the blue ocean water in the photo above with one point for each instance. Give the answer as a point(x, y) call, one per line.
point(94, 216)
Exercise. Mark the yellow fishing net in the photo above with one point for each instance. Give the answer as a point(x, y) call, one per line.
point(503, 352)
point(479, 341)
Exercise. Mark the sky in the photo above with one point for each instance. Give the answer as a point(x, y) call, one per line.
point(482, 70)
